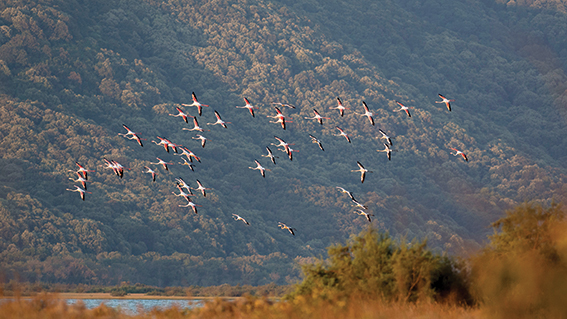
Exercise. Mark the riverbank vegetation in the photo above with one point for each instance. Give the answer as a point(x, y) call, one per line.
point(13, 289)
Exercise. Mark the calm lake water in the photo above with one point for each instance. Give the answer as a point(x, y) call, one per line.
point(133, 306)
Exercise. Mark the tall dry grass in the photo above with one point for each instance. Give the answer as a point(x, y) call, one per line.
point(530, 283)
point(48, 306)
point(354, 308)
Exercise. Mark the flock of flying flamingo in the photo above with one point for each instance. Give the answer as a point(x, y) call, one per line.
point(186, 191)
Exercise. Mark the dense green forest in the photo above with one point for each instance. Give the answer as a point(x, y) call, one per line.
point(73, 72)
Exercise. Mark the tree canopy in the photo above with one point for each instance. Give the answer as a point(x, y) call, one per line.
point(374, 265)
point(73, 72)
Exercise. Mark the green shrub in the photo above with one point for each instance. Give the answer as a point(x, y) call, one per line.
point(372, 264)
point(118, 292)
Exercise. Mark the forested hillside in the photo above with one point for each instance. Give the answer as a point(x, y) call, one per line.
point(73, 72)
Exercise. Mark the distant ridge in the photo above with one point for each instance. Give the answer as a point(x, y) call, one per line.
point(72, 74)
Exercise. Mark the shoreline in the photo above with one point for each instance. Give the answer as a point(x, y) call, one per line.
point(102, 295)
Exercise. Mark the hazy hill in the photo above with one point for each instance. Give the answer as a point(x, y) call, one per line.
point(72, 72)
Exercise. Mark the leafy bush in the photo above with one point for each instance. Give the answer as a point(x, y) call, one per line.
point(118, 292)
point(372, 264)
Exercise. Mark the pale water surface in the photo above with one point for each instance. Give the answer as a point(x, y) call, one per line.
point(135, 306)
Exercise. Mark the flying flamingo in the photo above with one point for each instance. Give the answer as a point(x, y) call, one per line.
point(181, 113)
point(281, 121)
point(284, 226)
point(280, 117)
point(196, 103)
point(446, 101)
point(289, 151)
point(165, 142)
point(248, 106)
point(281, 144)
point(284, 105)
point(316, 141)
point(260, 168)
point(270, 155)
point(80, 190)
point(181, 183)
point(116, 167)
point(237, 217)
point(386, 137)
point(80, 179)
point(457, 152)
point(111, 165)
point(340, 107)
point(196, 126)
point(388, 151)
point(182, 193)
point(151, 171)
point(191, 166)
point(362, 171)
point(317, 117)
point(82, 170)
point(190, 155)
point(173, 146)
point(119, 168)
point(162, 163)
point(202, 189)
point(404, 108)
point(365, 214)
point(342, 133)
point(359, 205)
point(286, 147)
point(202, 138)
point(219, 121)
point(134, 136)
point(193, 206)
point(346, 192)
point(130, 132)
point(367, 113)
